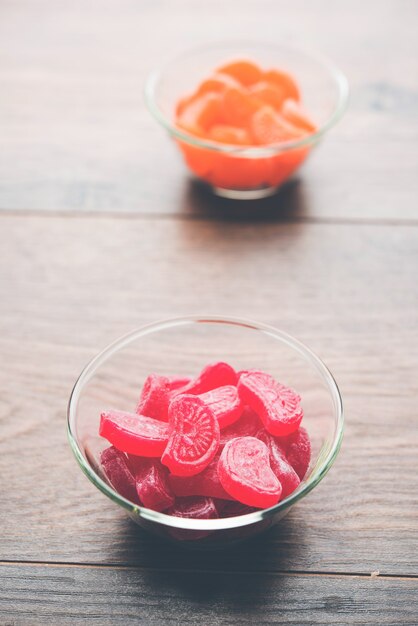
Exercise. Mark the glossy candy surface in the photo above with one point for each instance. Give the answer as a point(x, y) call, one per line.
point(219, 455)
point(277, 406)
point(133, 433)
point(151, 482)
point(225, 403)
point(114, 464)
point(279, 463)
point(212, 376)
point(193, 436)
point(154, 398)
point(245, 473)
point(206, 483)
point(247, 426)
point(298, 451)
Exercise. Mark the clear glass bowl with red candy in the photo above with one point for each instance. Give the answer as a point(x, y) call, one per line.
point(245, 116)
point(225, 466)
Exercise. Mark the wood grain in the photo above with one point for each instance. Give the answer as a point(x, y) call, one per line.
point(349, 291)
point(76, 134)
point(35, 595)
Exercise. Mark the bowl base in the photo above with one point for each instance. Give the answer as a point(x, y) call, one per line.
point(245, 194)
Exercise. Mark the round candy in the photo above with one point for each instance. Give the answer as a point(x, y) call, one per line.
point(194, 436)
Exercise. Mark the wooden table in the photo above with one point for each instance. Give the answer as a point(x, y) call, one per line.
point(102, 231)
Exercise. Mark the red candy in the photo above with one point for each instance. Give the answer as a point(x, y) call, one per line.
point(116, 469)
point(191, 468)
point(194, 436)
point(278, 406)
point(287, 476)
point(177, 382)
point(245, 473)
point(298, 451)
point(232, 508)
point(151, 480)
point(247, 426)
point(93, 448)
point(212, 376)
point(136, 434)
point(225, 403)
point(155, 397)
point(206, 483)
point(195, 508)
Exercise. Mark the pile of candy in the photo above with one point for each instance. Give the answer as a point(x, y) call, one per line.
point(242, 104)
point(223, 444)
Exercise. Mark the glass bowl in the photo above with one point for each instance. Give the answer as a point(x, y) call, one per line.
point(247, 172)
point(183, 346)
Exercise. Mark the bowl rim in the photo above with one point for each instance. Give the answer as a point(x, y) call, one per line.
point(212, 524)
point(340, 81)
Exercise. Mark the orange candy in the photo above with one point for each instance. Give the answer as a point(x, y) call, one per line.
point(199, 114)
point(230, 135)
point(294, 113)
point(216, 84)
point(238, 106)
point(245, 72)
point(283, 81)
point(269, 94)
point(241, 105)
point(269, 127)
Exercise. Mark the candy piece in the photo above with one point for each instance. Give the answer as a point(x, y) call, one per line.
point(93, 448)
point(154, 398)
point(230, 135)
point(245, 72)
point(245, 473)
point(200, 113)
point(268, 127)
point(217, 84)
point(196, 507)
point(152, 485)
point(270, 94)
point(238, 107)
point(247, 426)
point(287, 476)
point(176, 382)
point(284, 81)
point(277, 406)
point(232, 508)
point(299, 451)
point(206, 483)
point(116, 469)
point(212, 376)
point(294, 113)
point(194, 436)
point(133, 433)
point(225, 403)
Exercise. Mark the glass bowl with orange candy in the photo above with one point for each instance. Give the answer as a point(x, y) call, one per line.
point(246, 116)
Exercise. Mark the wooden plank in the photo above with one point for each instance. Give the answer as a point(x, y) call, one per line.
point(76, 134)
point(73, 285)
point(72, 595)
